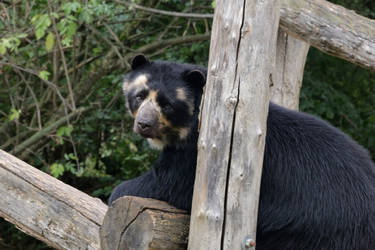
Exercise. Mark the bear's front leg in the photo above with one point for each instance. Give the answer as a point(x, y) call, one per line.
point(145, 186)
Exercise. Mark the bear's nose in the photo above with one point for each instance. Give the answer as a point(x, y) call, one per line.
point(144, 126)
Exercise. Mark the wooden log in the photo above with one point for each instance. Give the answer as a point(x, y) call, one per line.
point(291, 56)
point(46, 208)
point(233, 120)
point(134, 223)
point(332, 29)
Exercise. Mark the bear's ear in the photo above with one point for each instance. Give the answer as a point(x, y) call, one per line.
point(195, 78)
point(139, 60)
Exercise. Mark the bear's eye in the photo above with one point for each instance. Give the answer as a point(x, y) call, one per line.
point(140, 97)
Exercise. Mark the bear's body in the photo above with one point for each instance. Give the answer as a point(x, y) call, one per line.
point(318, 185)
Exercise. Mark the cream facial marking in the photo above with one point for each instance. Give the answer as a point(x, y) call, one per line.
point(156, 143)
point(152, 98)
point(137, 83)
point(181, 95)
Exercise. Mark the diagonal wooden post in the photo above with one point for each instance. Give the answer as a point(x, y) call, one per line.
point(233, 124)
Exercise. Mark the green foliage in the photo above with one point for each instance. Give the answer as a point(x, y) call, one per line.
point(14, 114)
point(41, 23)
point(11, 43)
point(97, 149)
point(67, 28)
point(50, 41)
point(64, 131)
point(44, 74)
point(57, 170)
point(362, 7)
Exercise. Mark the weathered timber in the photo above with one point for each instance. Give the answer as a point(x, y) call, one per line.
point(134, 223)
point(332, 29)
point(233, 124)
point(46, 208)
point(291, 56)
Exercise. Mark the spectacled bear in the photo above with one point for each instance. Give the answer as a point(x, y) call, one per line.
point(318, 185)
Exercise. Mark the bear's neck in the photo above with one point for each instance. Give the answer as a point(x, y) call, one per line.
point(175, 173)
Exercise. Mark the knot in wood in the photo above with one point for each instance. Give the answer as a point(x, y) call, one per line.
point(213, 69)
point(231, 102)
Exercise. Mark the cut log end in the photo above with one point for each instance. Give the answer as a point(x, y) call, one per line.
point(140, 224)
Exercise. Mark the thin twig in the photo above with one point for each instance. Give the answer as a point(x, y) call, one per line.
point(34, 138)
point(62, 55)
point(115, 37)
point(50, 84)
point(33, 96)
point(163, 12)
point(173, 41)
point(100, 35)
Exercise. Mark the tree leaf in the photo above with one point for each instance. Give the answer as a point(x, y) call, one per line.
point(50, 41)
point(57, 170)
point(3, 49)
point(44, 74)
point(14, 114)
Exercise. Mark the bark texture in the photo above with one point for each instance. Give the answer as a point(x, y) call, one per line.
point(332, 29)
point(233, 123)
point(135, 223)
point(46, 208)
point(290, 62)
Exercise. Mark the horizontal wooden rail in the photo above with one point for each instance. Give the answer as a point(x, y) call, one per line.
point(332, 29)
point(46, 208)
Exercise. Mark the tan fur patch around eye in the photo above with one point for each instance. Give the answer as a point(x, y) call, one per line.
point(181, 95)
point(137, 83)
point(152, 96)
point(164, 120)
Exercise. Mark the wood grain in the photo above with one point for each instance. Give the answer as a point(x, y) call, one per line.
point(46, 208)
point(231, 142)
point(332, 29)
point(135, 223)
point(291, 56)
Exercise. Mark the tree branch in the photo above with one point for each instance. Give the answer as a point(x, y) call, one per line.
point(173, 41)
point(163, 12)
point(47, 130)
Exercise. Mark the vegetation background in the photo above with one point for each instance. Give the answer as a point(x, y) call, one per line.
point(61, 66)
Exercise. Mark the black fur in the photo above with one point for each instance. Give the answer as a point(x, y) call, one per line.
point(317, 189)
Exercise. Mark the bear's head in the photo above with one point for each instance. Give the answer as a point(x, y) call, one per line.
point(164, 99)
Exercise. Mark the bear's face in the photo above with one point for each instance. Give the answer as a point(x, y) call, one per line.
point(164, 99)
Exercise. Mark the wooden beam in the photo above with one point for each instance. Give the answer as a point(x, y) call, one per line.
point(46, 208)
point(332, 29)
point(233, 124)
point(291, 56)
point(135, 223)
